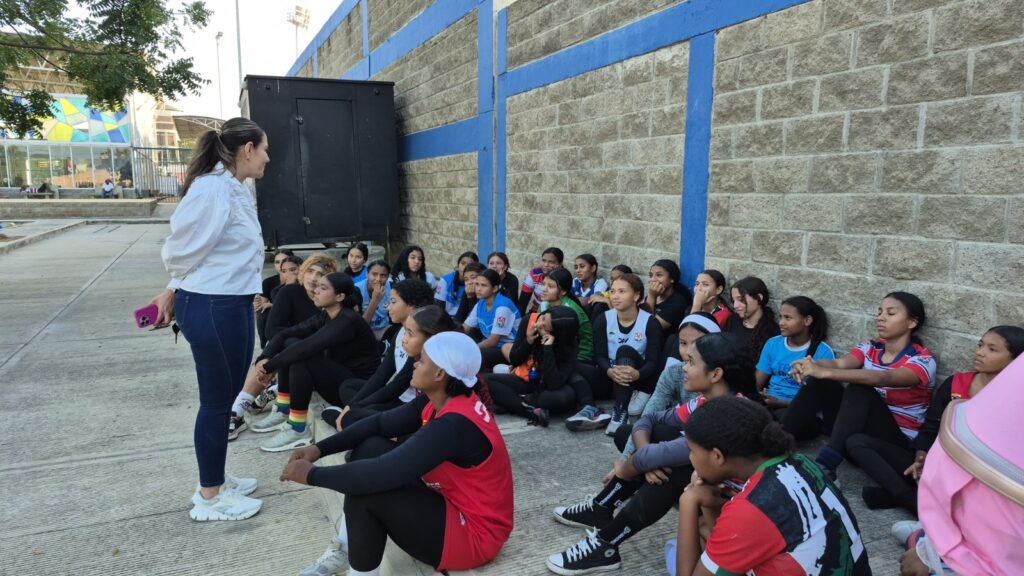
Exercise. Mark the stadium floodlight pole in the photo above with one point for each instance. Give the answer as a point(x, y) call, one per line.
point(238, 34)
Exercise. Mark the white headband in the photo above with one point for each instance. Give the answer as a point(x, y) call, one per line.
point(703, 321)
point(456, 354)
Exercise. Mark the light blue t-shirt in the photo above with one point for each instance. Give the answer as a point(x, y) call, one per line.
point(380, 320)
point(502, 319)
point(777, 359)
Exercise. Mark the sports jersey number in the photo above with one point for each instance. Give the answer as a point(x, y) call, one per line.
point(857, 545)
point(482, 411)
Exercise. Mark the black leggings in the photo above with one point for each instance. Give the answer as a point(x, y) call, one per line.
point(491, 357)
point(885, 463)
point(261, 327)
point(864, 412)
point(598, 386)
point(511, 393)
point(631, 357)
point(801, 417)
point(647, 503)
point(413, 516)
point(318, 374)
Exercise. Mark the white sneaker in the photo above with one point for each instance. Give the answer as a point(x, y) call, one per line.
point(638, 402)
point(333, 562)
point(238, 485)
point(903, 529)
point(227, 505)
point(288, 439)
point(269, 423)
point(501, 369)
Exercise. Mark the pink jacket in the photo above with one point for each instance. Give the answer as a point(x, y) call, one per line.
point(976, 529)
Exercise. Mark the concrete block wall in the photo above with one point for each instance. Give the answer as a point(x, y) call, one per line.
point(436, 83)
point(439, 207)
point(595, 163)
point(342, 49)
point(864, 146)
point(537, 28)
point(388, 16)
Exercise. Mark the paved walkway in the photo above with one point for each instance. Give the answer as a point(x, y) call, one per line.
point(98, 462)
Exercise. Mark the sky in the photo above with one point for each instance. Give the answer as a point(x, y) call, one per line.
point(268, 48)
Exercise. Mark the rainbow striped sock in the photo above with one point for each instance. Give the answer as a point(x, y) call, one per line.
point(297, 420)
point(283, 402)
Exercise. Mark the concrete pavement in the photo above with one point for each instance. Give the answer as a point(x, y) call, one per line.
point(96, 452)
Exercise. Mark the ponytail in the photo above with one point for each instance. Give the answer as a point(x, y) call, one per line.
point(456, 387)
point(720, 350)
point(221, 146)
point(819, 319)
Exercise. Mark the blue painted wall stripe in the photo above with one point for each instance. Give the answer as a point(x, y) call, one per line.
point(457, 138)
point(485, 107)
point(325, 32)
point(664, 28)
point(500, 142)
point(431, 22)
point(696, 156)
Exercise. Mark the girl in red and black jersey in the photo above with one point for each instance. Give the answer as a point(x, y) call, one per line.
point(890, 381)
point(897, 467)
point(445, 494)
point(644, 486)
point(709, 296)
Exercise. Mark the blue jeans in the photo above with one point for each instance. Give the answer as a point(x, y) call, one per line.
point(220, 331)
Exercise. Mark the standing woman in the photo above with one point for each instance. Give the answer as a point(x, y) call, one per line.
point(498, 261)
point(214, 256)
point(355, 262)
point(412, 263)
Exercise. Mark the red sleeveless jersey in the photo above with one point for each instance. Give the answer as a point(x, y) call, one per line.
point(961, 387)
point(479, 499)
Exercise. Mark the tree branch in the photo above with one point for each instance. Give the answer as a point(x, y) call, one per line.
point(69, 49)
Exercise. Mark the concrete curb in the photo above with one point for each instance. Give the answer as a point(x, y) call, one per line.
point(28, 240)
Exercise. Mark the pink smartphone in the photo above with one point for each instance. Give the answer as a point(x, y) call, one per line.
point(146, 316)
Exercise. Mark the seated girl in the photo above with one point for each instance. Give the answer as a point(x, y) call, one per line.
point(496, 317)
point(804, 327)
point(375, 289)
point(389, 385)
point(896, 467)
point(644, 486)
point(498, 261)
point(295, 304)
point(667, 299)
point(529, 294)
point(355, 262)
point(587, 283)
point(412, 263)
point(709, 296)
point(558, 292)
point(468, 300)
point(784, 518)
point(332, 346)
point(263, 302)
point(600, 302)
point(627, 344)
point(753, 321)
point(450, 288)
point(671, 389)
point(890, 381)
point(543, 358)
point(444, 495)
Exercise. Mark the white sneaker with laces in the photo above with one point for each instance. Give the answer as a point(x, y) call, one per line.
point(227, 505)
point(288, 439)
point(333, 562)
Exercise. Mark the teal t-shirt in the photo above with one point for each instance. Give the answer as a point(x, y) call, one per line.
point(777, 359)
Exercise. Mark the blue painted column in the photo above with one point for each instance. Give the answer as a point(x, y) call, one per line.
point(696, 156)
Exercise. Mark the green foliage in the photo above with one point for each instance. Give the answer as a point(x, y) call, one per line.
point(111, 47)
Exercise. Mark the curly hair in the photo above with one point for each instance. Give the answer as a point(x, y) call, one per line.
point(738, 427)
point(415, 292)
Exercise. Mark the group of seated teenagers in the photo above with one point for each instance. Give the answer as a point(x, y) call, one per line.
point(716, 388)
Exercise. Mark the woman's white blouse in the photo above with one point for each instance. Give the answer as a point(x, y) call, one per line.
point(216, 244)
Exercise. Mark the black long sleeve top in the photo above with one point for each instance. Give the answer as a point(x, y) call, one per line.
point(269, 283)
point(450, 437)
point(387, 383)
point(291, 306)
point(346, 339)
point(652, 354)
point(933, 417)
point(555, 372)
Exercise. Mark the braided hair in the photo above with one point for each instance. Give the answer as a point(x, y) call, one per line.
point(738, 427)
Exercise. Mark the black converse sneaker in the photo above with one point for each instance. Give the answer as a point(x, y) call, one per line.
point(263, 401)
point(585, 514)
point(588, 555)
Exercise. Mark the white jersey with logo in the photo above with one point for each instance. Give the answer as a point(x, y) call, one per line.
point(636, 338)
